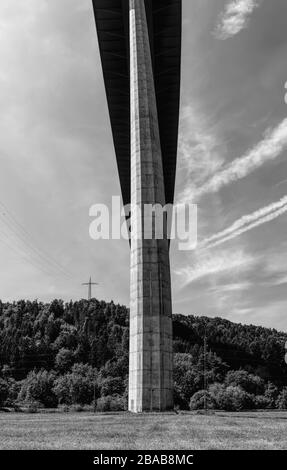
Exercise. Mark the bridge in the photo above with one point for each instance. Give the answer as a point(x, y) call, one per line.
point(140, 48)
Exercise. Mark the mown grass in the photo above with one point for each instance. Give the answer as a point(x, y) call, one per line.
point(149, 431)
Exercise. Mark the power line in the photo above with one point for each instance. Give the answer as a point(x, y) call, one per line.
point(28, 241)
point(26, 238)
point(18, 252)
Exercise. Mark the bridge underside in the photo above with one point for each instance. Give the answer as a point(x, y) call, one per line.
point(164, 18)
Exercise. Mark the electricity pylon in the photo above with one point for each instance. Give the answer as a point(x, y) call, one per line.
point(90, 284)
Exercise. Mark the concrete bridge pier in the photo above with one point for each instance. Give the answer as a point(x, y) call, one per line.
point(151, 362)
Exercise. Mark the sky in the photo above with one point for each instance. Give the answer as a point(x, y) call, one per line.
point(57, 158)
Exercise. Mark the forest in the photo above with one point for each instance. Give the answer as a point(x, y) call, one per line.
point(75, 355)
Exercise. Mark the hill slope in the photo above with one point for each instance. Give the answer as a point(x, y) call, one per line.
point(57, 337)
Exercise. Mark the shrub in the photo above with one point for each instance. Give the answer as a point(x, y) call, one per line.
point(231, 398)
point(201, 399)
point(282, 400)
point(77, 408)
point(189, 374)
point(38, 386)
point(77, 387)
point(187, 381)
point(111, 403)
point(103, 404)
point(217, 392)
point(31, 406)
point(62, 390)
point(4, 391)
point(64, 408)
point(250, 383)
point(118, 403)
point(112, 386)
point(261, 402)
point(14, 390)
point(236, 399)
point(180, 401)
point(272, 394)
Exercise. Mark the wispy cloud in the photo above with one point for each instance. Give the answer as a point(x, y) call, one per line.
point(215, 264)
point(235, 17)
point(281, 281)
point(269, 148)
point(247, 223)
point(232, 287)
point(275, 266)
point(201, 149)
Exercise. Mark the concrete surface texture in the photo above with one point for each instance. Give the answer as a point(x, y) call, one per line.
point(150, 369)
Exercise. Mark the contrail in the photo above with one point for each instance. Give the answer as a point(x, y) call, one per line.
point(246, 220)
point(247, 223)
point(269, 148)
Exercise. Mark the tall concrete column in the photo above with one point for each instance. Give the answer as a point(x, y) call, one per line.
point(150, 368)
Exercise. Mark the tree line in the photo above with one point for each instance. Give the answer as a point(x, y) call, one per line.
point(75, 354)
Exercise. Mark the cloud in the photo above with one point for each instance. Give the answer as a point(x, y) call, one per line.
point(232, 287)
point(235, 17)
point(199, 145)
point(201, 149)
point(216, 264)
point(270, 147)
point(281, 281)
point(247, 223)
point(275, 266)
point(273, 312)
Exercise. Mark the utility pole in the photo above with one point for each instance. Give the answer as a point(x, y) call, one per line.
point(95, 402)
point(205, 368)
point(90, 284)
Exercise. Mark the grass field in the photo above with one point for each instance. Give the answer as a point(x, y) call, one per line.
point(149, 431)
